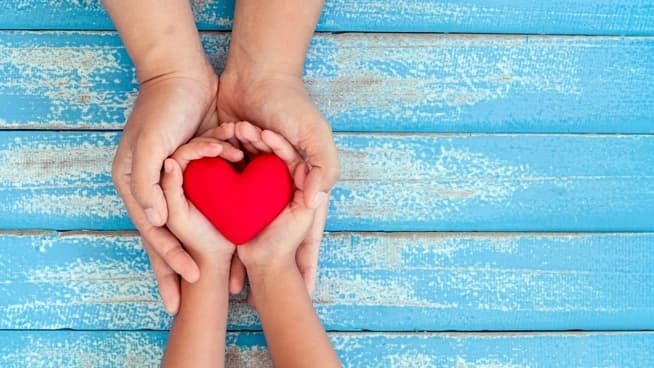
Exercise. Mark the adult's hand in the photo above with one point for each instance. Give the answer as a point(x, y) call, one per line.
point(262, 83)
point(281, 104)
point(168, 112)
point(176, 101)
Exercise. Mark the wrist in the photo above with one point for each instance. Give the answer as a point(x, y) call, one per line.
point(269, 268)
point(247, 66)
point(165, 59)
point(159, 68)
point(212, 263)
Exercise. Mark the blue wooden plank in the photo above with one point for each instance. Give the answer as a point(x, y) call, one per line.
point(365, 82)
point(366, 281)
point(457, 16)
point(417, 350)
point(390, 182)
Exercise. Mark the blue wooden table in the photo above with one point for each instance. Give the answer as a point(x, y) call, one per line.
point(496, 207)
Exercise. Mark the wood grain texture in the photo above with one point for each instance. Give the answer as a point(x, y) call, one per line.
point(365, 82)
point(367, 281)
point(457, 16)
point(389, 182)
point(143, 349)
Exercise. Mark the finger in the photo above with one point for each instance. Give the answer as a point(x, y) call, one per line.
point(313, 185)
point(173, 253)
point(322, 156)
point(167, 279)
point(245, 142)
point(171, 183)
point(282, 148)
point(147, 160)
point(223, 132)
point(206, 147)
point(196, 149)
point(236, 275)
point(300, 175)
point(252, 134)
point(161, 239)
point(309, 251)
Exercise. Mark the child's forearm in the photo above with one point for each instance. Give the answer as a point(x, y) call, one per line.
point(271, 36)
point(293, 331)
point(160, 36)
point(197, 338)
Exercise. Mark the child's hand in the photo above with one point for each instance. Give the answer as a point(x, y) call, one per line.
point(254, 141)
point(282, 104)
point(200, 238)
point(277, 245)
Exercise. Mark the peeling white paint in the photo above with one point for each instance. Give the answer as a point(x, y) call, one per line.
point(69, 205)
point(358, 291)
point(394, 181)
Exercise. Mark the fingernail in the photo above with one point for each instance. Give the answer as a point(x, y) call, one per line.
point(153, 216)
point(318, 199)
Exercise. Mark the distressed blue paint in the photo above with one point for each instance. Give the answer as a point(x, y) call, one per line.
point(388, 183)
point(403, 83)
point(144, 348)
point(370, 281)
point(367, 281)
point(456, 16)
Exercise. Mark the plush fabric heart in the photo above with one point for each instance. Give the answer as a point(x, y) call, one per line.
point(239, 205)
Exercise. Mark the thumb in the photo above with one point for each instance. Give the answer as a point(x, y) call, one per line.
point(322, 157)
point(148, 157)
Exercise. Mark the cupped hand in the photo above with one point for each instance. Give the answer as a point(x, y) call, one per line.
point(280, 103)
point(275, 248)
point(199, 237)
point(169, 110)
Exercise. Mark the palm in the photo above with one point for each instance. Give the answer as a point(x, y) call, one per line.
point(281, 105)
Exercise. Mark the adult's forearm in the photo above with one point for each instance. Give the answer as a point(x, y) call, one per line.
point(197, 338)
point(160, 36)
point(271, 36)
point(293, 331)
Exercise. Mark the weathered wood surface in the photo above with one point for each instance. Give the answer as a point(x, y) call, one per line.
point(389, 182)
point(365, 82)
point(142, 349)
point(367, 281)
point(498, 16)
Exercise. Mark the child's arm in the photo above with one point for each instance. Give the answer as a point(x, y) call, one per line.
point(197, 338)
point(293, 331)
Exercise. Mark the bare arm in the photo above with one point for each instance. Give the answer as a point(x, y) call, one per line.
point(197, 338)
point(271, 36)
point(293, 331)
point(160, 36)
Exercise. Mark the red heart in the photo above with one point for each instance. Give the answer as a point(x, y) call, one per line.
point(239, 205)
